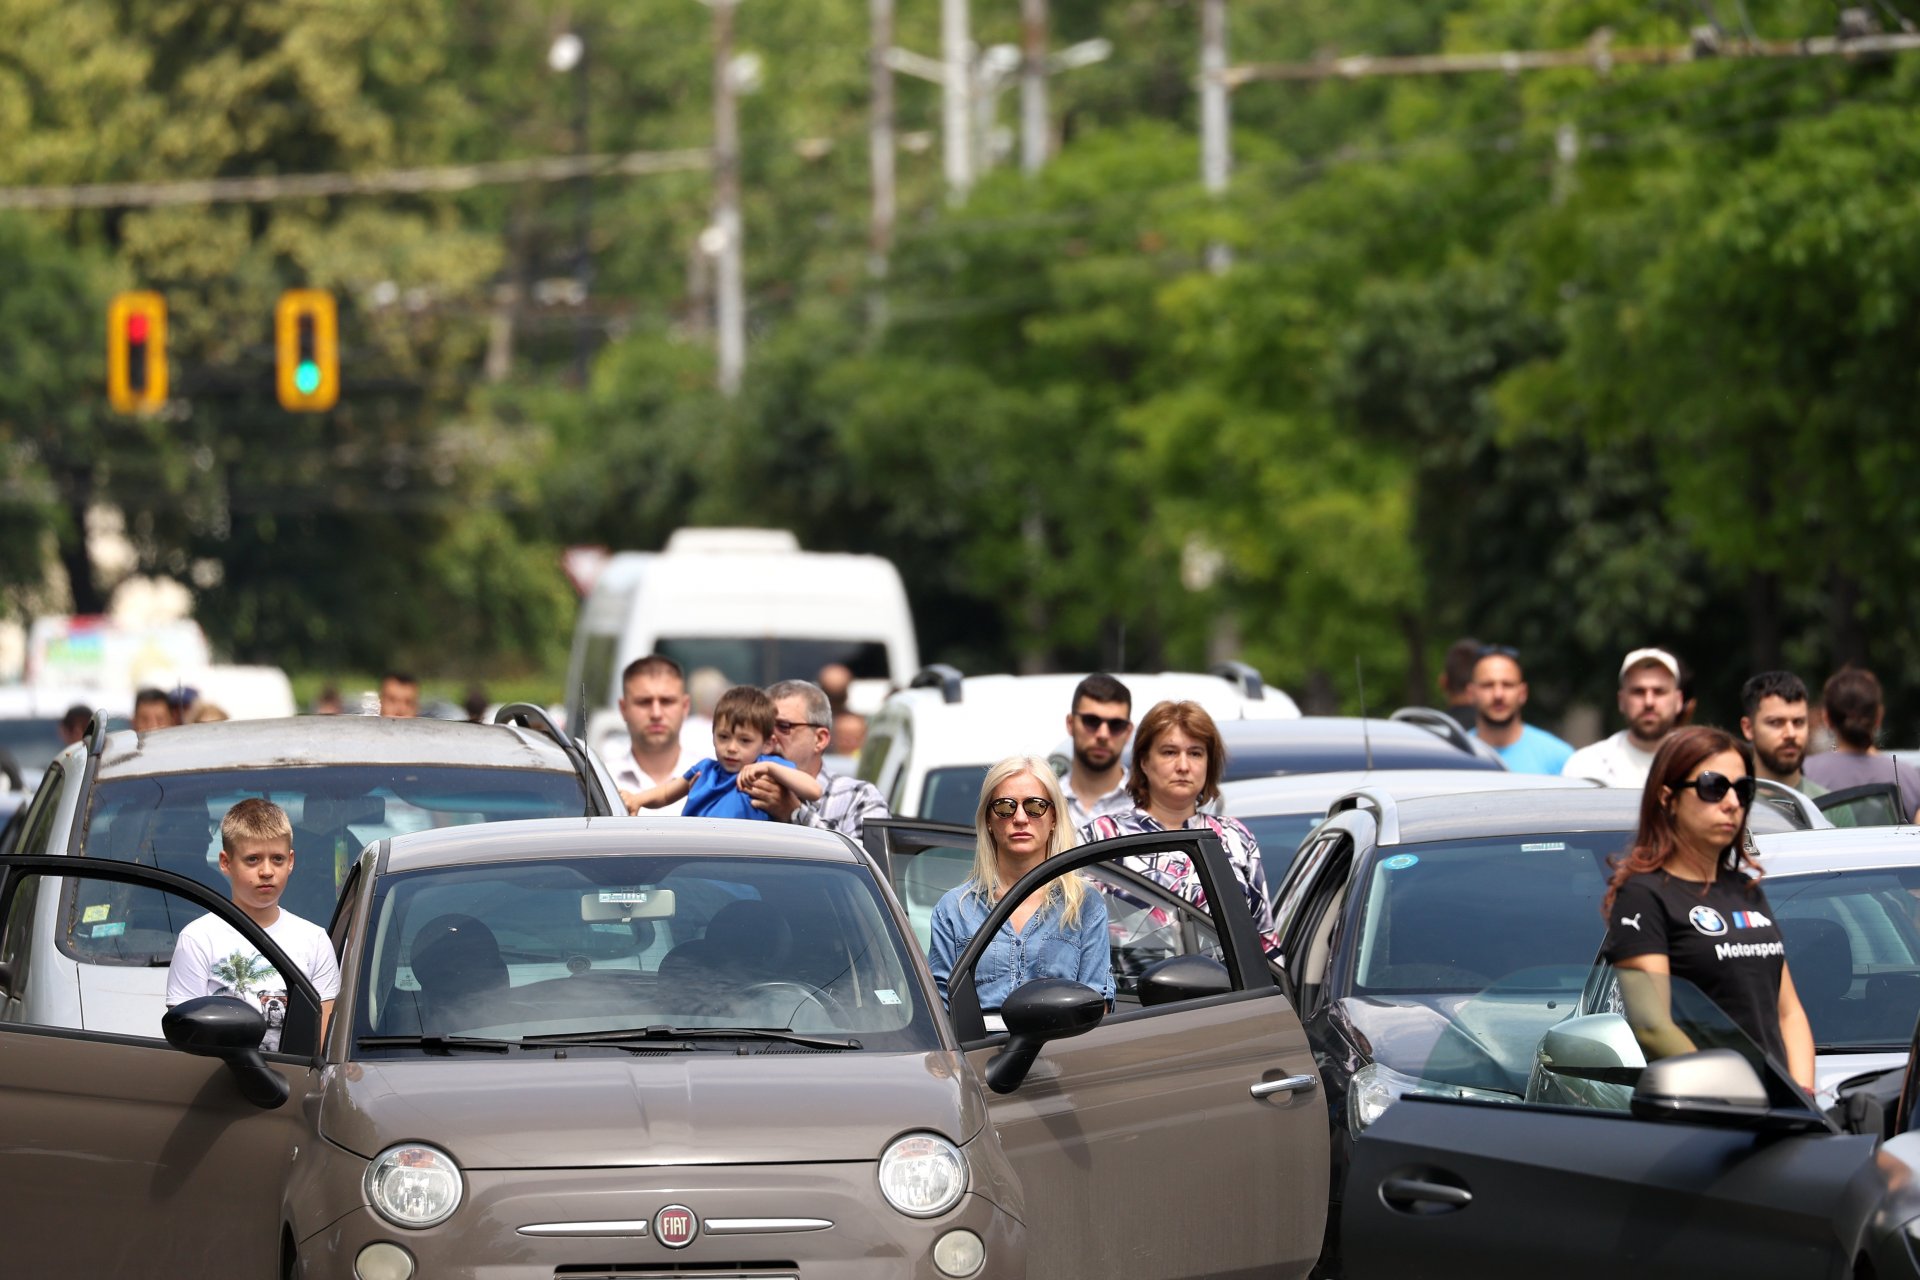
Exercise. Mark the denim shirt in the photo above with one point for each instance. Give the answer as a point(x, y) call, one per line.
point(1046, 948)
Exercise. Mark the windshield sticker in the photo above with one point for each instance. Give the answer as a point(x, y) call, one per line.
point(627, 897)
point(1400, 861)
point(98, 911)
point(887, 995)
point(113, 930)
point(1545, 846)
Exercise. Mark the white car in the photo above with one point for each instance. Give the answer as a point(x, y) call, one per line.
point(930, 745)
point(1847, 901)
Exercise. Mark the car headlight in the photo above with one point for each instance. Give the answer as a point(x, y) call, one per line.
point(1375, 1087)
point(413, 1185)
point(923, 1175)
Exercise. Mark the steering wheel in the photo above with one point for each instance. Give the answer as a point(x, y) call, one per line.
point(825, 1001)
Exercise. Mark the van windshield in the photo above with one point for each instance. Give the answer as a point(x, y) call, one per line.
point(762, 660)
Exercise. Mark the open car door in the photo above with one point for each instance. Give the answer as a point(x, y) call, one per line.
point(1706, 1163)
point(126, 1156)
point(1876, 804)
point(1180, 1135)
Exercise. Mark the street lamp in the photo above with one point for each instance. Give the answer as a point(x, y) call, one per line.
point(567, 55)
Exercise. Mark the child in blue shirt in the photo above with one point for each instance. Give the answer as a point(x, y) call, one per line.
point(717, 786)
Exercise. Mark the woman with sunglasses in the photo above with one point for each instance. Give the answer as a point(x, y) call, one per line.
point(1684, 902)
point(1060, 932)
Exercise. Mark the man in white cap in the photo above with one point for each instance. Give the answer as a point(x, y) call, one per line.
point(1650, 699)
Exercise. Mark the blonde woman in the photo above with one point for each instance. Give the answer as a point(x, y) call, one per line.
point(1058, 933)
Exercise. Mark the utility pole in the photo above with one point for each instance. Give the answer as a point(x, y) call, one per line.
point(1035, 133)
point(956, 117)
point(881, 155)
point(731, 309)
point(1216, 153)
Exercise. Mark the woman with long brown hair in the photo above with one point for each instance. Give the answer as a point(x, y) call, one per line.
point(1685, 902)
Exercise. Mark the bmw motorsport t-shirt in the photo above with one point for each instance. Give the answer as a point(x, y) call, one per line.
point(1723, 941)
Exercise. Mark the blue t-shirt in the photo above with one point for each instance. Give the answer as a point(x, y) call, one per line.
point(714, 794)
point(1535, 751)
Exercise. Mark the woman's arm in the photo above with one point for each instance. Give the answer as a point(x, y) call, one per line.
point(1646, 987)
point(1796, 1032)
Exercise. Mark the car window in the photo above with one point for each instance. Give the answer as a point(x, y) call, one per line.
point(586, 946)
point(1280, 836)
point(1426, 914)
point(1853, 948)
point(763, 660)
point(1870, 806)
point(952, 794)
point(921, 879)
point(44, 806)
point(33, 743)
point(173, 822)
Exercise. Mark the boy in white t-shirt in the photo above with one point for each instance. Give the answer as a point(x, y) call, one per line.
point(212, 959)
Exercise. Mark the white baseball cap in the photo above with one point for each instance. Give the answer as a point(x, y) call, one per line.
point(1660, 656)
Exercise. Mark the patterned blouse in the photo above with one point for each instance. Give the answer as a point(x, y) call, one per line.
point(1176, 871)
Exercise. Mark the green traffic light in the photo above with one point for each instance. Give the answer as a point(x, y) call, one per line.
point(306, 377)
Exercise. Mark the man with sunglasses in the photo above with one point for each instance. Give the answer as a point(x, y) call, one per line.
point(1100, 724)
point(1499, 691)
point(802, 727)
point(1651, 701)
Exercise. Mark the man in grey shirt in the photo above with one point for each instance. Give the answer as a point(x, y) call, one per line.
point(802, 727)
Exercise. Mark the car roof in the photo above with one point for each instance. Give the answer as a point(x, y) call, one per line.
point(1522, 812)
point(1292, 793)
point(1003, 715)
point(1790, 853)
point(1283, 746)
point(297, 741)
point(610, 837)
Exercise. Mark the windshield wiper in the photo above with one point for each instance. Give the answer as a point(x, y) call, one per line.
point(438, 1044)
point(695, 1033)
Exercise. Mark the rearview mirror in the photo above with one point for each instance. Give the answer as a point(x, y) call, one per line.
point(639, 903)
point(231, 1030)
point(1038, 1011)
point(1598, 1046)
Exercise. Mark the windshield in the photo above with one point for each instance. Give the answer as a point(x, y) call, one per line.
point(1427, 921)
point(1853, 948)
point(762, 660)
point(172, 821)
point(581, 947)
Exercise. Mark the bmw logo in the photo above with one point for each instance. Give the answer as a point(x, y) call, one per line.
point(1707, 921)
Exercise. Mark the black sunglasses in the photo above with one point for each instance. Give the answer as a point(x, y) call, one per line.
point(1713, 787)
point(1116, 725)
point(1498, 651)
point(1036, 806)
point(785, 727)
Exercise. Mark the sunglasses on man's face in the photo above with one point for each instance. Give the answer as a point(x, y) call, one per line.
point(1116, 725)
point(1005, 806)
point(1713, 787)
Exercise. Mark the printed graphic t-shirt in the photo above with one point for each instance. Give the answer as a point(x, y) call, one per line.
point(212, 959)
point(1725, 943)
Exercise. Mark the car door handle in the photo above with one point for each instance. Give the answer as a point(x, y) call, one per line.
point(1416, 1194)
point(1267, 1088)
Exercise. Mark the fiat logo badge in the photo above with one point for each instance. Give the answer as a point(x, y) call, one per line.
point(676, 1226)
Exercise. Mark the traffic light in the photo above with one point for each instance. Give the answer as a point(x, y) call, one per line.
point(137, 352)
point(306, 344)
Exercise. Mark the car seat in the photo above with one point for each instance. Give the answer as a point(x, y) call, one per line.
point(457, 963)
point(748, 940)
point(1820, 957)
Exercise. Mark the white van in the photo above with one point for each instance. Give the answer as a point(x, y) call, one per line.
point(748, 602)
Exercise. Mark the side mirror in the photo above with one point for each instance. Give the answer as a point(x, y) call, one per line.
point(231, 1030)
point(1183, 978)
point(1042, 1010)
point(1713, 1086)
point(1599, 1047)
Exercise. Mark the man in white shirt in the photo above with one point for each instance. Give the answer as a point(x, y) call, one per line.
point(654, 705)
point(1100, 723)
point(212, 958)
point(1650, 699)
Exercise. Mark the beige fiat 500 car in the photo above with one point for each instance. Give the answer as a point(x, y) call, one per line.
point(674, 1047)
